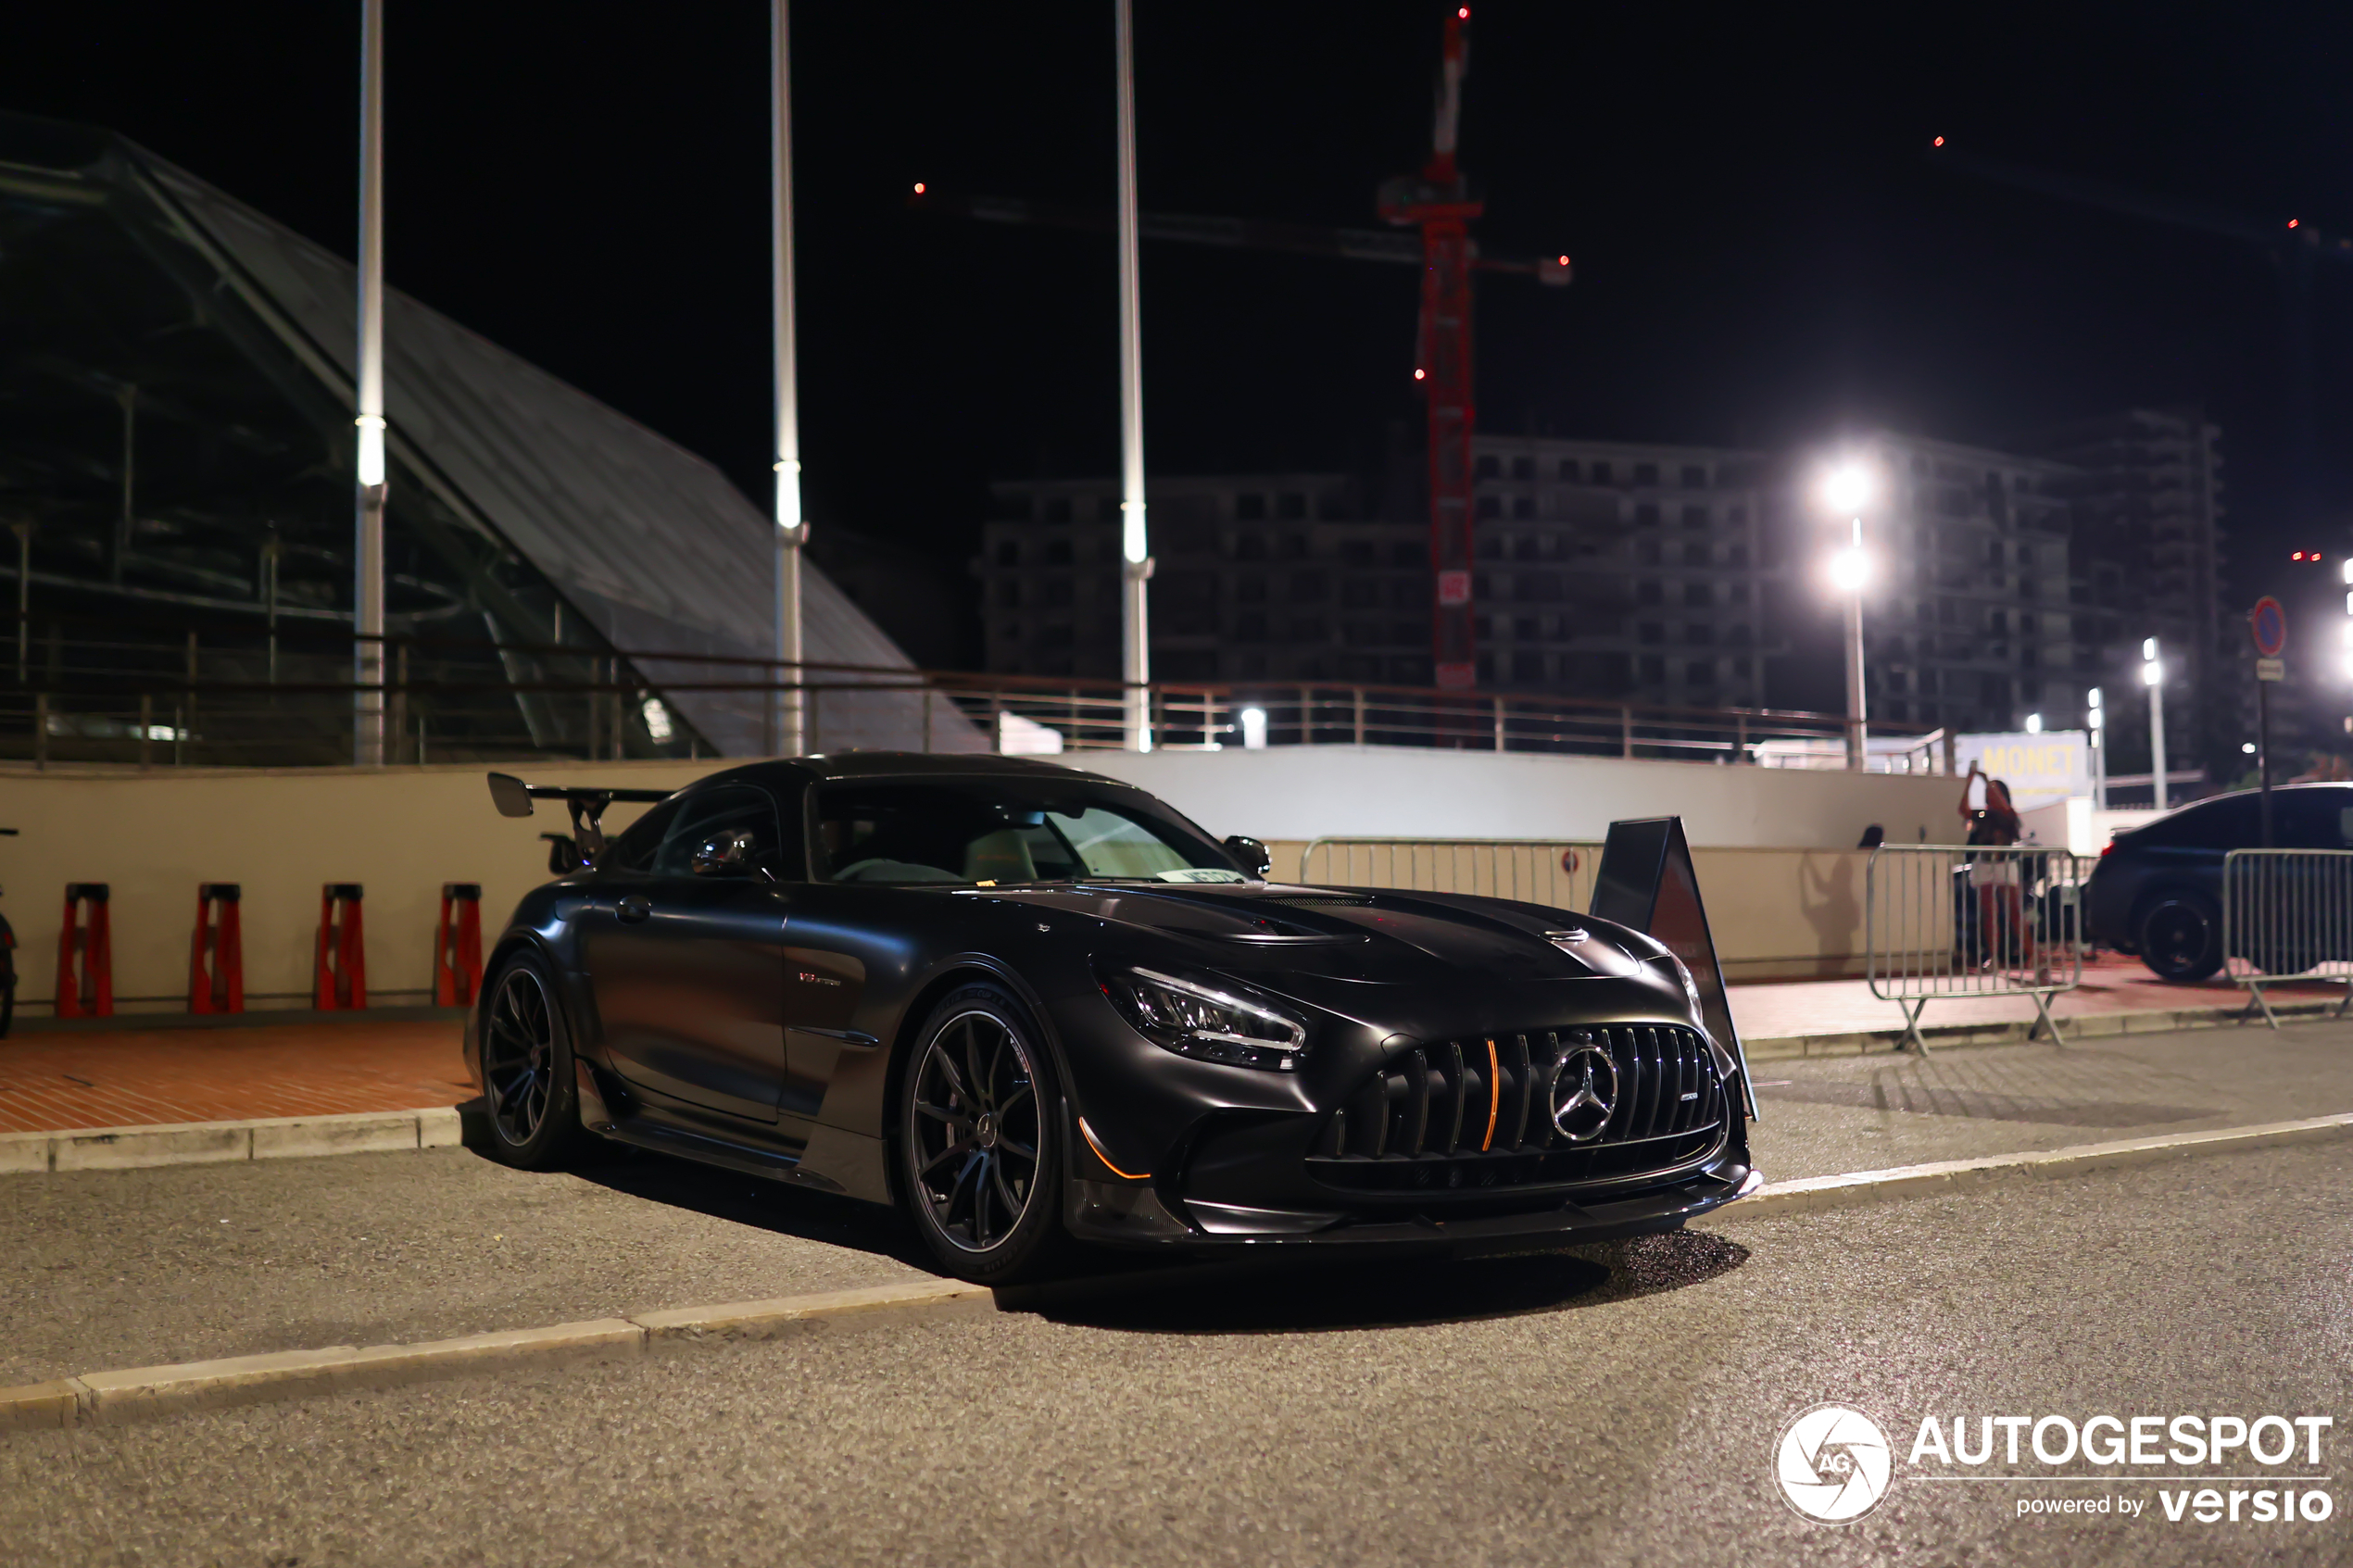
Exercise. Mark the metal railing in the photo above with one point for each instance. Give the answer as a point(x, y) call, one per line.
point(1557, 872)
point(2288, 917)
point(233, 694)
point(1943, 920)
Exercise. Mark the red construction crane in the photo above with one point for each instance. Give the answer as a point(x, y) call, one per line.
point(1438, 201)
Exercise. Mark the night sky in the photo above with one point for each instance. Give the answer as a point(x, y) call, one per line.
point(1763, 252)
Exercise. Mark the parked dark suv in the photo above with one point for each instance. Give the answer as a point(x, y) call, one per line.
point(2158, 889)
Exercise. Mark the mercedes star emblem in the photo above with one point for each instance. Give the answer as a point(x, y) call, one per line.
point(1584, 1092)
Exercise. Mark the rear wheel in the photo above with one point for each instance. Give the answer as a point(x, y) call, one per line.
point(2181, 935)
point(527, 1080)
point(980, 1162)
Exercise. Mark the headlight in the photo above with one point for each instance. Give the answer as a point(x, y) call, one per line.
point(1192, 1019)
point(1683, 973)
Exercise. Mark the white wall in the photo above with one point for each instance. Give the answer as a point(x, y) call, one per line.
point(152, 837)
point(402, 831)
point(1302, 791)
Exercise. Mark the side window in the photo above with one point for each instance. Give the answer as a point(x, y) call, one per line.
point(712, 811)
point(2310, 818)
point(2228, 823)
point(634, 850)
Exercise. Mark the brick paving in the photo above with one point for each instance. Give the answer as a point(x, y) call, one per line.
point(54, 1082)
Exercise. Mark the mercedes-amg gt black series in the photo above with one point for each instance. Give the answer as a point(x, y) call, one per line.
point(1028, 1004)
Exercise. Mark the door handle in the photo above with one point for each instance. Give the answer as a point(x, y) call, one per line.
point(634, 907)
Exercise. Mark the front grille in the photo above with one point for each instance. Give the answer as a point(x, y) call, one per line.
point(1476, 1113)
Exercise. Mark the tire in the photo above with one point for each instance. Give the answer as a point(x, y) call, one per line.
point(529, 1090)
point(982, 1186)
point(2180, 937)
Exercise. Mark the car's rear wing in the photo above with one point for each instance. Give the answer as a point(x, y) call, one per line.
point(586, 844)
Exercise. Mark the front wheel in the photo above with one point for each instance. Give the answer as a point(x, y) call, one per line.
point(2180, 937)
point(527, 1080)
point(980, 1162)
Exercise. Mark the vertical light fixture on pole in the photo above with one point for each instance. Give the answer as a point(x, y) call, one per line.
point(367, 542)
point(792, 530)
point(2099, 748)
point(1136, 561)
point(2153, 676)
point(1847, 489)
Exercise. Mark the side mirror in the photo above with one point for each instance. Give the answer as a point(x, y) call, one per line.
point(1251, 854)
point(725, 853)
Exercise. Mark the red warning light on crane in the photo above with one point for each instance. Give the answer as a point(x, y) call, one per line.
point(1939, 141)
point(1420, 374)
point(1463, 14)
point(919, 187)
point(2294, 221)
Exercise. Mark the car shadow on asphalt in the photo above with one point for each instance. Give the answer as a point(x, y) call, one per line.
point(1313, 1295)
point(731, 1196)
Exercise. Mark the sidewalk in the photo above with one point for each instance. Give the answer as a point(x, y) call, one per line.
point(1840, 1017)
point(55, 1082)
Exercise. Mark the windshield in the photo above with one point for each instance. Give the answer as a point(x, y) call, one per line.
point(1001, 831)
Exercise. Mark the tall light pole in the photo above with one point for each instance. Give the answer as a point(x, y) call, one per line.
point(1847, 489)
point(2153, 676)
point(2098, 725)
point(1136, 561)
point(792, 529)
point(368, 400)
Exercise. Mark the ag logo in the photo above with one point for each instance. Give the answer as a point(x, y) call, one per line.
point(1833, 1464)
point(1584, 1092)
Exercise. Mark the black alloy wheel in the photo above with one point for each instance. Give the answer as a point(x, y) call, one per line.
point(979, 1169)
point(2180, 937)
point(527, 1070)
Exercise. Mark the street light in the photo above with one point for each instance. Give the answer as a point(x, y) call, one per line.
point(2034, 723)
point(2153, 676)
point(1253, 729)
point(1847, 489)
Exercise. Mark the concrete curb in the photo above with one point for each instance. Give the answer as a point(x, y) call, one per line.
point(2085, 1026)
point(212, 1142)
point(112, 1399)
point(105, 1399)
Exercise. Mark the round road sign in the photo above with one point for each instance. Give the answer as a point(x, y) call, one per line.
point(2269, 622)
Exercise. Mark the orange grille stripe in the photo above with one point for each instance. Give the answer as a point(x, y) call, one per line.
point(1494, 1097)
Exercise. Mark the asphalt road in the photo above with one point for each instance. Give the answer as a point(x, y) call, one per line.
point(111, 1269)
point(1612, 1405)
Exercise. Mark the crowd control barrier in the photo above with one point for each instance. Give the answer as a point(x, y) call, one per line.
point(1949, 919)
point(2287, 916)
point(1556, 872)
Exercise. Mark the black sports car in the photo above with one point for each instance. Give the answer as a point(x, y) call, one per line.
point(1026, 1003)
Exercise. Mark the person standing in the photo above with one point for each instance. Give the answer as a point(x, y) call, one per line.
point(2000, 904)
